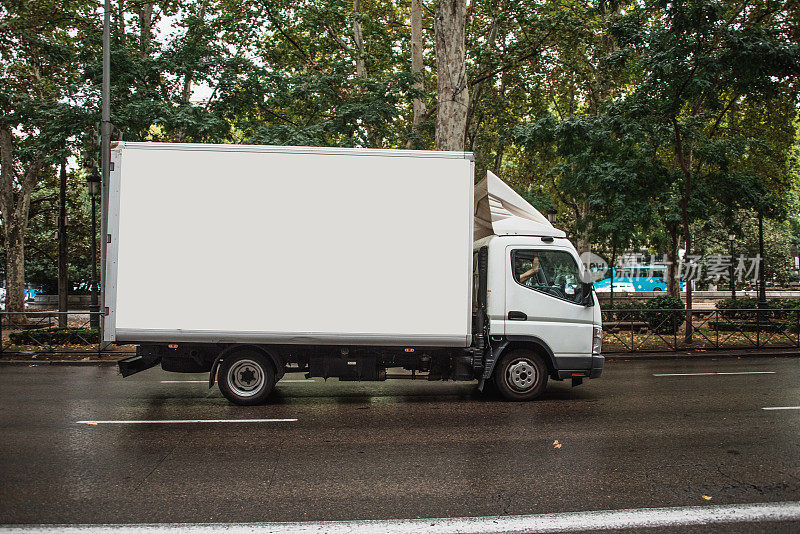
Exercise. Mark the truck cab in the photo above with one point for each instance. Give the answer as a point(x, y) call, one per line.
point(542, 316)
point(536, 300)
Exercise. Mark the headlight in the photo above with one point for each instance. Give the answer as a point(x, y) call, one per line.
point(597, 339)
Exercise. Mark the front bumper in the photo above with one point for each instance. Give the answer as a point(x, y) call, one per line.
point(597, 366)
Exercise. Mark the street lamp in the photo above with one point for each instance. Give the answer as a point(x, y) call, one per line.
point(551, 215)
point(93, 181)
point(731, 238)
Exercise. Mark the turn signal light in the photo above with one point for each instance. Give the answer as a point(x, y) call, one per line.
point(408, 349)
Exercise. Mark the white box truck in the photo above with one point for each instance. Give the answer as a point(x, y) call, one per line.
point(245, 261)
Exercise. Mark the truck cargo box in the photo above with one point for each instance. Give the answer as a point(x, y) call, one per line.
point(269, 244)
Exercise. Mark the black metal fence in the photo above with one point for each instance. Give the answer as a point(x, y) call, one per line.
point(626, 330)
point(44, 332)
point(638, 330)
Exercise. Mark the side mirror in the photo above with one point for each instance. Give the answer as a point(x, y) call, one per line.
point(587, 290)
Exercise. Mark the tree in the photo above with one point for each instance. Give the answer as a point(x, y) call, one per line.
point(602, 160)
point(417, 70)
point(700, 58)
point(452, 92)
point(38, 84)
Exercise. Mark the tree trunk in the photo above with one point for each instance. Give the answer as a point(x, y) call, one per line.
point(673, 283)
point(582, 242)
point(63, 283)
point(361, 64)
point(452, 94)
point(417, 66)
point(146, 20)
point(14, 208)
point(477, 89)
point(15, 272)
point(498, 159)
point(120, 22)
point(358, 39)
point(186, 93)
point(685, 163)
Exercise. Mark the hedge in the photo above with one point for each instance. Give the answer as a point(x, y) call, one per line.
point(734, 308)
point(667, 314)
point(55, 336)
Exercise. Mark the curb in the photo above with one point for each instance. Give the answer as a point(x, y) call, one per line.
point(628, 356)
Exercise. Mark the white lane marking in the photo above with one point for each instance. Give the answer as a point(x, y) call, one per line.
point(173, 421)
point(717, 373)
point(559, 522)
point(184, 381)
point(781, 408)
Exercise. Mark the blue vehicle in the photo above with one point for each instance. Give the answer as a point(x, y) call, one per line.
point(30, 291)
point(642, 277)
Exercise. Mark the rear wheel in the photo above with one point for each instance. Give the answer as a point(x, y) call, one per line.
point(246, 378)
point(521, 375)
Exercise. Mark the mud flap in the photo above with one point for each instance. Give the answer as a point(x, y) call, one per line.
point(140, 362)
point(213, 374)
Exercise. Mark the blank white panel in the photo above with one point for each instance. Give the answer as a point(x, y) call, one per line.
point(223, 240)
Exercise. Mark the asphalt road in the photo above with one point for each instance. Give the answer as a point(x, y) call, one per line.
point(396, 449)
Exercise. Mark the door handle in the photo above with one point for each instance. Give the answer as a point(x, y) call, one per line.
point(517, 316)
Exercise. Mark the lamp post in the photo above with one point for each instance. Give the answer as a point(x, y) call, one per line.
point(731, 238)
point(551, 215)
point(93, 181)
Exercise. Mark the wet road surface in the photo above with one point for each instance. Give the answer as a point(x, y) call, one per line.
point(647, 434)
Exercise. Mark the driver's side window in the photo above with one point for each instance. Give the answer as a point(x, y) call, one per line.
point(553, 272)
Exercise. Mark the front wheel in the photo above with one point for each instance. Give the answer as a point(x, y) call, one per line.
point(521, 375)
point(246, 378)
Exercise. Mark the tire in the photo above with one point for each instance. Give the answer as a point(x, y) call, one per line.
point(521, 375)
point(246, 378)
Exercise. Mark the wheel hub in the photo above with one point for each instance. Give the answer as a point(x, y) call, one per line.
point(246, 378)
point(521, 375)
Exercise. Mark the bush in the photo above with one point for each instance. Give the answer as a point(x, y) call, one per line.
point(55, 336)
point(621, 310)
point(783, 304)
point(729, 305)
point(790, 307)
point(729, 308)
point(667, 314)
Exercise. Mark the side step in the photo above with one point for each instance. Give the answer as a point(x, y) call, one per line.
point(140, 362)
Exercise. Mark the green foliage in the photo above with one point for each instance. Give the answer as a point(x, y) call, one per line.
point(742, 309)
point(731, 308)
point(624, 310)
point(664, 314)
point(55, 336)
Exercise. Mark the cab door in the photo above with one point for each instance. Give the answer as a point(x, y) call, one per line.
point(544, 299)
